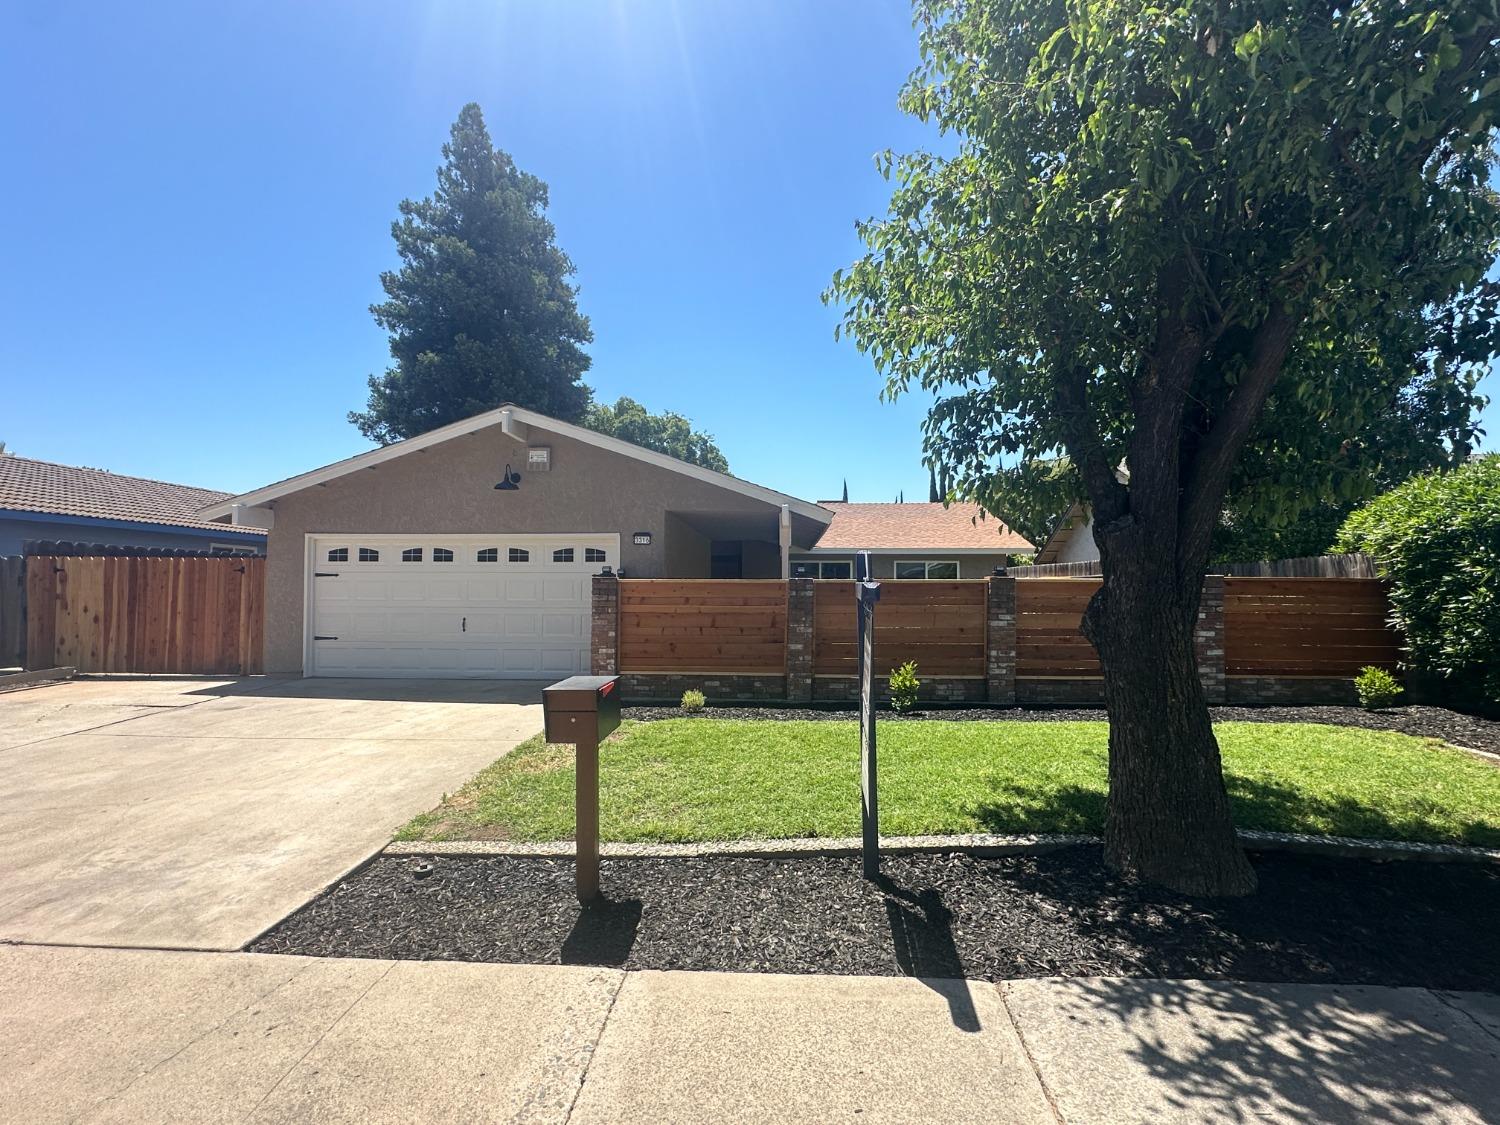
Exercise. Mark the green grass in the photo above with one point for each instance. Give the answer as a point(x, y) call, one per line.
point(717, 779)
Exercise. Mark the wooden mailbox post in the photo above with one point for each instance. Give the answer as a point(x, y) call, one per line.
point(583, 710)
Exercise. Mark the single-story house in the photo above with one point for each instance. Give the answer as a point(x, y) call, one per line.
point(43, 503)
point(469, 550)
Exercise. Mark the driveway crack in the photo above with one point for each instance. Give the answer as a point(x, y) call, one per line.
point(1444, 999)
point(314, 1045)
point(259, 998)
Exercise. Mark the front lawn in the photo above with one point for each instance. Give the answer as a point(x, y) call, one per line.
point(719, 779)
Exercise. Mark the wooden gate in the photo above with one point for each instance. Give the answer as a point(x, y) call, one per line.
point(12, 610)
point(183, 616)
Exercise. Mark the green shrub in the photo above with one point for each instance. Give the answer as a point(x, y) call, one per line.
point(693, 700)
point(904, 686)
point(1437, 537)
point(1377, 688)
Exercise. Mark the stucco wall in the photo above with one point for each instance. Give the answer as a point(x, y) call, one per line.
point(450, 488)
point(1078, 544)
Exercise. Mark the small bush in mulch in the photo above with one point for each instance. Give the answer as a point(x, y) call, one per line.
point(1061, 914)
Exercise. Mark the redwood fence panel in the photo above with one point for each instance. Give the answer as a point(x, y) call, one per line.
point(12, 610)
point(729, 626)
point(939, 624)
point(1048, 614)
point(1306, 626)
point(184, 616)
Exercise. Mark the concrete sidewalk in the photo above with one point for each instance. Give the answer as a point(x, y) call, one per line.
point(137, 1035)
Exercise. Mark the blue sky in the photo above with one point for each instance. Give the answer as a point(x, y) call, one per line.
point(199, 200)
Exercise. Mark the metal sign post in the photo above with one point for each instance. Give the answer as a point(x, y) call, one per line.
point(866, 594)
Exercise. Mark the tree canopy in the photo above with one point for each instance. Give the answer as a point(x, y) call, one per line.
point(1156, 238)
point(668, 432)
point(481, 311)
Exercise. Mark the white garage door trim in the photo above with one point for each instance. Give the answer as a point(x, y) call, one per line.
point(525, 615)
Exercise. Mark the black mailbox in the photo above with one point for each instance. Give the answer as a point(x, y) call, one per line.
point(581, 703)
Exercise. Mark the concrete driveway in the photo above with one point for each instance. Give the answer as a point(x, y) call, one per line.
point(194, 814)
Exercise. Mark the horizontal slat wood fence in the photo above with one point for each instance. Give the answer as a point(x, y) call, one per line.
point(1048, 613)
point(184, 616)
point(1306, 626)
point(940, 625)
point(728, 626)
point(12, 610)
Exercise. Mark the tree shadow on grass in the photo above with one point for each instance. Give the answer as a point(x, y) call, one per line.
point(1257, 804)
point(1284, 1052)
point(604, 933)
point(922, 937)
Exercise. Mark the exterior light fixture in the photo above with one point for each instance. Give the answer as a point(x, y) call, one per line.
point(510, 482)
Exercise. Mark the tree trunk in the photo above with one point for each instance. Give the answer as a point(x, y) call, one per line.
point(1167, 819)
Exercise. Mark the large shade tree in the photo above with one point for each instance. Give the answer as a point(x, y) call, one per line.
point(1153, 226)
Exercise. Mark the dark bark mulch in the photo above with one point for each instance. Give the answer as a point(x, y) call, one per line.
point(1061, 914)
point(1425, 722)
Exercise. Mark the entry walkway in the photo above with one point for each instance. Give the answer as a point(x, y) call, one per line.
point(140, 1035)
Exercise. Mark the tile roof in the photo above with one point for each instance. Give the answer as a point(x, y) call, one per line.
point(916, 527)
point(67, 490)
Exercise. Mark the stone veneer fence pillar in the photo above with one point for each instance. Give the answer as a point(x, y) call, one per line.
point(604, 635)
point(799, 639)
point(1208, 638)
point(1000, 641)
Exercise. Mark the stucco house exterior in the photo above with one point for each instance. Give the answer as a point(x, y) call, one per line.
point(43, 503)
point(469, 550)
point(1073, 539)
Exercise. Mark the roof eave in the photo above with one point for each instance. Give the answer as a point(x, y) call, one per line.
point(492, 418)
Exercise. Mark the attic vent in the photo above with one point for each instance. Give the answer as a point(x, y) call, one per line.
point(539, 458)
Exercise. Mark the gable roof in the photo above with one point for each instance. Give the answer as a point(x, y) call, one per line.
point(503, 415)
point(47, 488)
point(916, 527)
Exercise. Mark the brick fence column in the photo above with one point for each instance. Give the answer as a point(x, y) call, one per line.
point(1208, 638)
point(604, 640)
point(799, 638)
point(1000, 641)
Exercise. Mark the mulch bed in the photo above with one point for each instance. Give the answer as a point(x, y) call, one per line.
point(1425, 722)
point(1060, 914)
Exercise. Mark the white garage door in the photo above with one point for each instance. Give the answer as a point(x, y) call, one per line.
point(478, 607)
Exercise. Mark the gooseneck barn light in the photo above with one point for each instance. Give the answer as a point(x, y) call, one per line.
point(510, 482)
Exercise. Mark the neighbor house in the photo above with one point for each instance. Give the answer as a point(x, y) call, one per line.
point(468, 551)
point(43, 504)
point(910, 541)
point(1072, 541)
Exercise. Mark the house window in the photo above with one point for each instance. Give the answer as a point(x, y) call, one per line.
point(488, 554)
point(369, 554)
point(518, 554)
point(338, 554)
point(594, 554)
point(914, 569)
point(442, 554)
point(563, 554)
point(811, 569)
point(412, 554)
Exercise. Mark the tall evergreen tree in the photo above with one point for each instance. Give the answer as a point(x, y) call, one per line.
point(482, 310)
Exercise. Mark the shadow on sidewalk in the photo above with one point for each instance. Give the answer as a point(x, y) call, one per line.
point(922, 935)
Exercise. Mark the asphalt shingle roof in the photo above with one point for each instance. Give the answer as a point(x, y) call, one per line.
point(916, 526)
point(67, 490)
